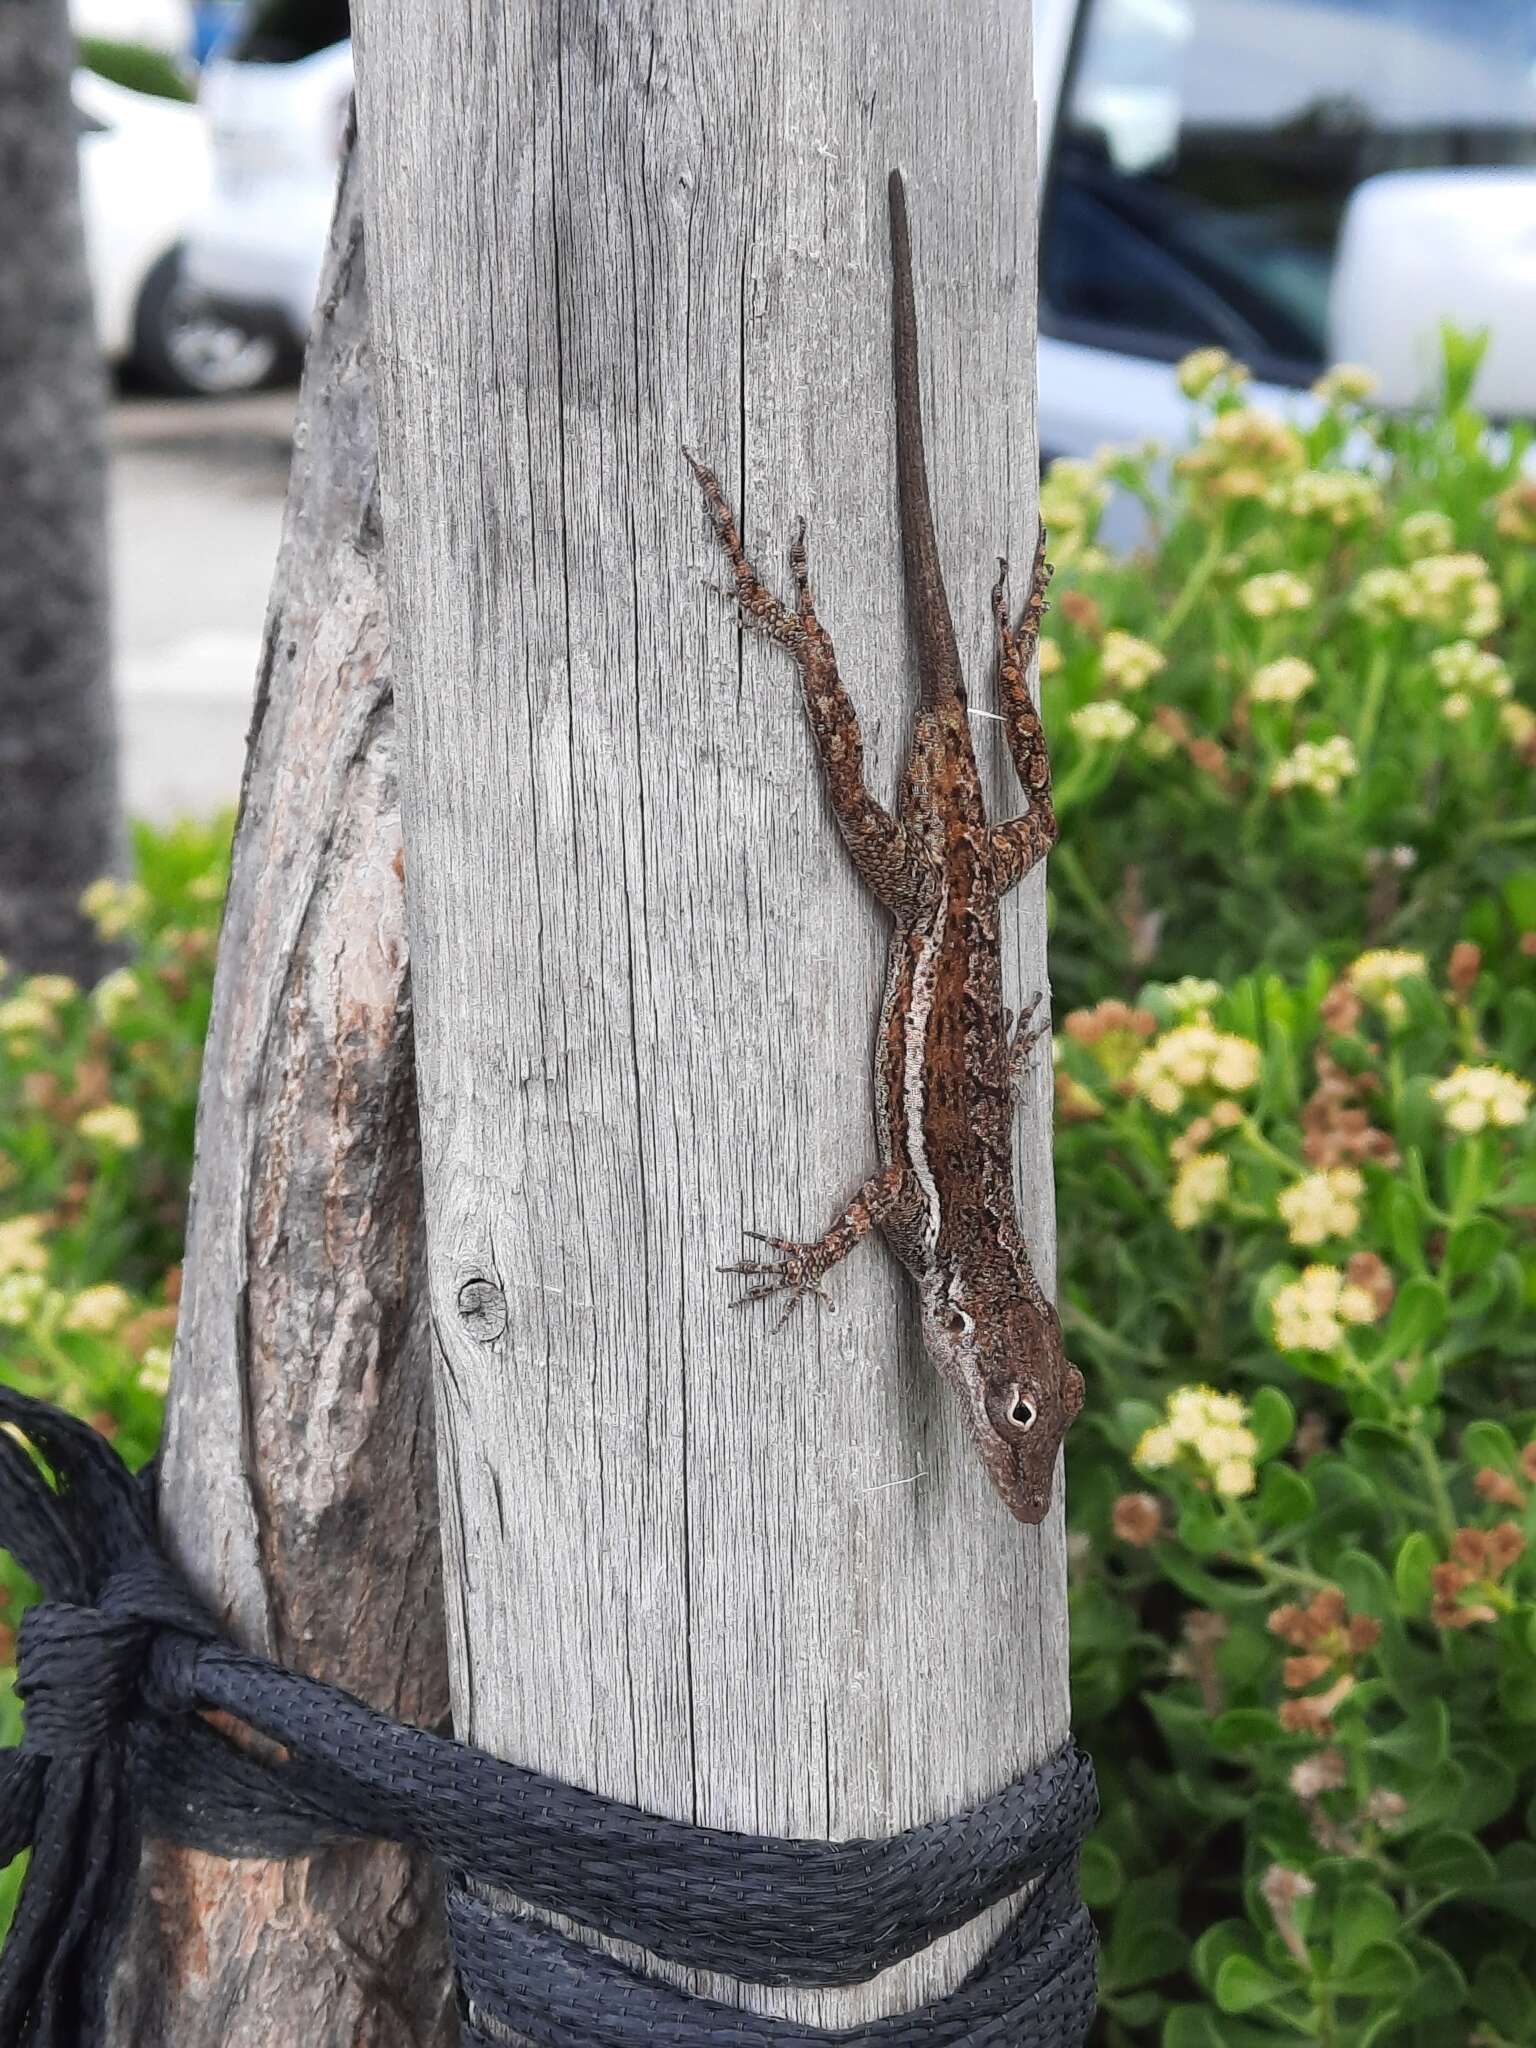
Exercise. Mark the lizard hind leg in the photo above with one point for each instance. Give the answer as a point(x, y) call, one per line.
point(1020, 842)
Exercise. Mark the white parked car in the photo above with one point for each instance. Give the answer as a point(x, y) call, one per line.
point(277, 99)
point(1297, 181)
point(144, 167)
point(163, 25)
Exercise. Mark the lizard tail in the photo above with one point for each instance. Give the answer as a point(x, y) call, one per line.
point(927, 603)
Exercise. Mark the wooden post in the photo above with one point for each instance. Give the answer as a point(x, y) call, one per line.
point(746, 1577)
point(297, 1484)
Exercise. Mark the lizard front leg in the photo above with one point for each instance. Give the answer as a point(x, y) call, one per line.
point(1024, 1034)
point(1019, 843)
point(886, 1197)
point(876, 842)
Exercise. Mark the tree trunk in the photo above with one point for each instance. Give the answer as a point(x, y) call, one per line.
point(59, 822)
point(745, 1577)
point(296, 1483)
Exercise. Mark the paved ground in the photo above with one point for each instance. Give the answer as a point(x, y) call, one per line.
point(197, 506)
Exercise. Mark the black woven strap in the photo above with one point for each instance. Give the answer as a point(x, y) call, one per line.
point(115, 1663)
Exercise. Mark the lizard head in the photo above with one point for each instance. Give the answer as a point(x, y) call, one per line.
point(1006, 1360)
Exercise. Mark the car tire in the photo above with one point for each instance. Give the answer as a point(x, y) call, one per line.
point(192, 353)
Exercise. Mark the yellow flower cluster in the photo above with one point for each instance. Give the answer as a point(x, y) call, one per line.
point(1194, 1055)
point(114, 907)
point(1374, 977)
point(1483, 1098)
point(1128, 663)
point(1242, 452)
point(21, 1296)
point(1283, 681)
point(115, 994)
point(154, 1373)
point(1269, 596)
point(1347, 384)
point(1199, 1187)
point(1340, 497)
point(1426, 533)
point(1454, 591)
point(1322, 1205)
point(1515, 512)
point(33, 1010)
point(1464, 671)
point(1311, 1314)
point(1201, 372)
point(1517, 722)
point(22, 1245)
point(1072, 495)
point(98, 1311)
point(1320, 765)
point(1049, 655)
point(1190, 995)
point(114, 1125)
point(1103, 724)
point(1207, 1430)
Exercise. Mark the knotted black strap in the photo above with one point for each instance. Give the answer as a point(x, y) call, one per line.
point(115, 1663)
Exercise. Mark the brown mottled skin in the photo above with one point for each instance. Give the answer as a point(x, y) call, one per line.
point(947, 1054)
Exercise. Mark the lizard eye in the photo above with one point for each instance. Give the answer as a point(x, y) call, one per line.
point(1022, 1413)
point(958, 1323)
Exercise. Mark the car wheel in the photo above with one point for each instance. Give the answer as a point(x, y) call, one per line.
point(182, 347)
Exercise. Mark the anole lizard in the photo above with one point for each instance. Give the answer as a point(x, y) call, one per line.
point(948, 1055)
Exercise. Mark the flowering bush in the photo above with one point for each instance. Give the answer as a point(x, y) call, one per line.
point(97, 1099)
point(1304, 706)
point(1304, 1621)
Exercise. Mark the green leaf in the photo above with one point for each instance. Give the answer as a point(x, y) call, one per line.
point(1384, 1970)
point(1241, 1728)
point(1423, 1738)
point(1416, 1559)
point(1272, 1420)
point(1489, 1443)
point(1418, 1316)
point(1364, 1919)
point(1406, 1222)
point(1447, 1861)
point(1285, 1498)
point(1502, 1992)
point(1520, 897)
point(1099, 1873)
point(1200, 1527)
point(1242, 1985)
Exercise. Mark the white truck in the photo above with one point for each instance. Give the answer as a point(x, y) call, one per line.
point(1297, 181)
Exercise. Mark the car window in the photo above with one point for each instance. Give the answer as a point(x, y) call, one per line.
point(1227, 137)
point(283, 31)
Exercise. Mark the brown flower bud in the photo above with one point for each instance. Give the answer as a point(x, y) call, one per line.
point(1463, 968)
point(1137, 1518)
point(1498, 1487)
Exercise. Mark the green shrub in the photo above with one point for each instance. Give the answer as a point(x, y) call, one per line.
point(1297, 1181)
point(135, 65)
point(97, 1101)
point(1288, 722)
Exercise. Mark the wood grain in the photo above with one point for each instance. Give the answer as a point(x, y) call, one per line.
point(747, 1578)
point(297, 1476)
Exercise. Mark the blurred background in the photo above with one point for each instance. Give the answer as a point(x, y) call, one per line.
point(1295, 181)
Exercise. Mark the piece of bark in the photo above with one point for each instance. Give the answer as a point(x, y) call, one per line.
point(748, 1576)
point(59, 819)
point(297, 1482)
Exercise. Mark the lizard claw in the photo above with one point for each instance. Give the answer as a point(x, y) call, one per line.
point(796, 1273)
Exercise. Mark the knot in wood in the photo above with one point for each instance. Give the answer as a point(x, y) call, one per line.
point(483, 1310)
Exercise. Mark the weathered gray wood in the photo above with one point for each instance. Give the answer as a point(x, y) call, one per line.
point(59, 823)
point(297, 1478)
point(748, 1578)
